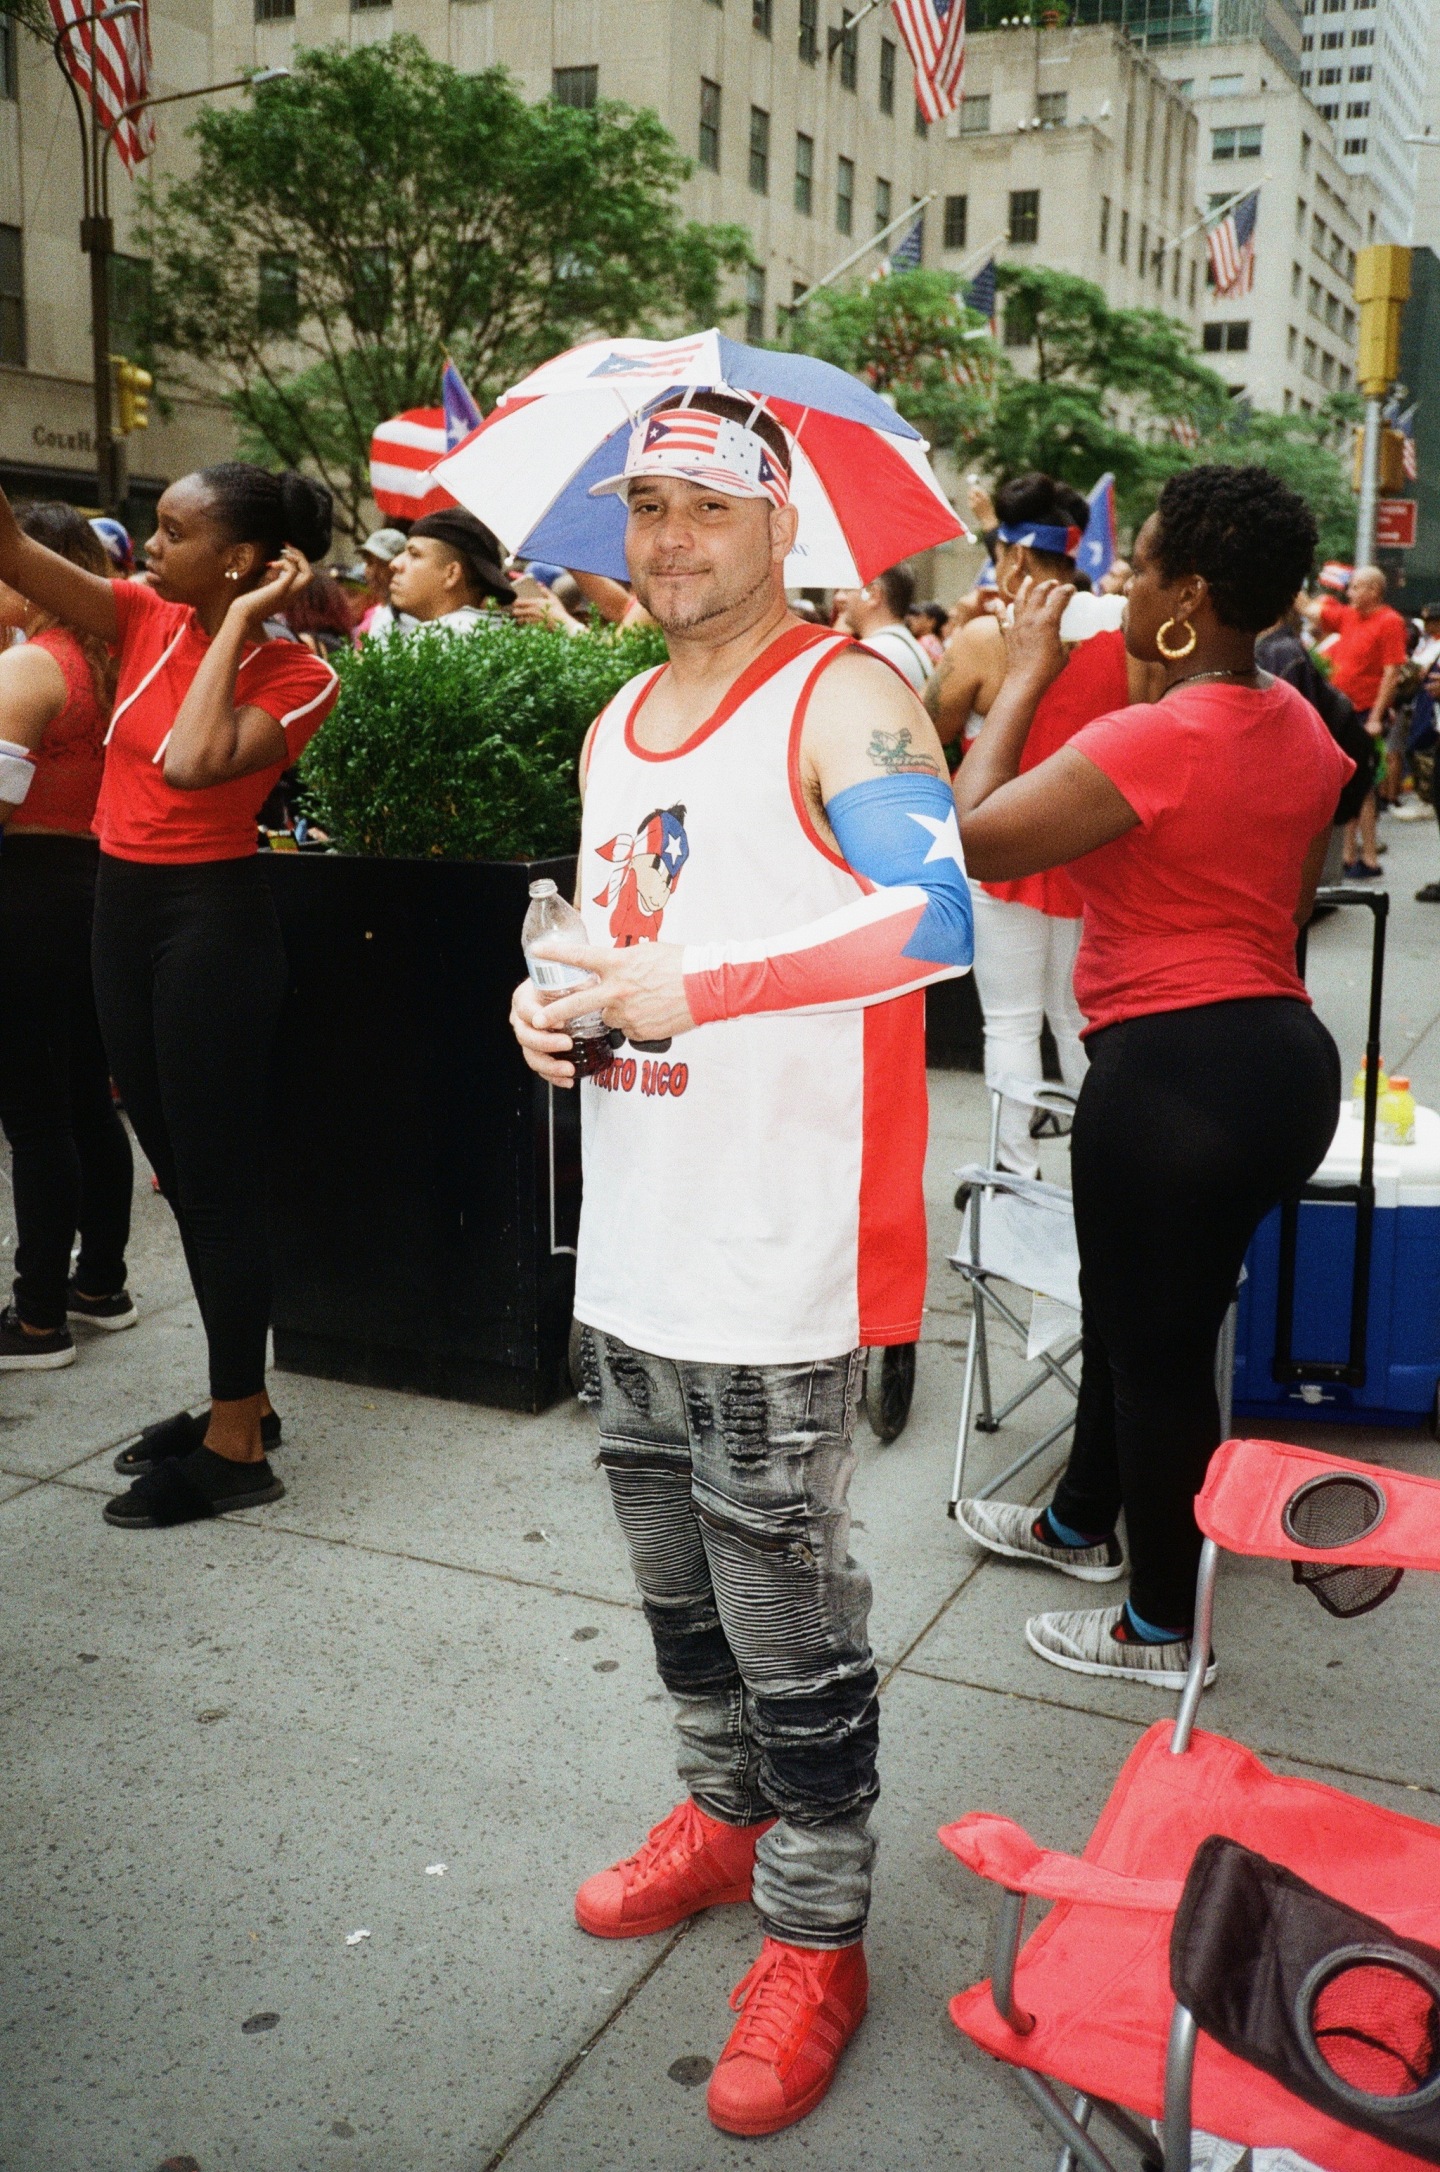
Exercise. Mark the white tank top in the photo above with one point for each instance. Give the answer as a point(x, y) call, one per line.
point(753, 1192)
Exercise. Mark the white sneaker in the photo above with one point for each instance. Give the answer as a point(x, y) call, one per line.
point(1086, 1644)
point(1007, 1528)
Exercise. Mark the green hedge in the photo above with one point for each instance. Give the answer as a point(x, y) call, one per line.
point(463, 746)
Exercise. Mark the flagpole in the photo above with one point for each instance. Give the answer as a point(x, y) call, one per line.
point(851, 22)
point(911, 212)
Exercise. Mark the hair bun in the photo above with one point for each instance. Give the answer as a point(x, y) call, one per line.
point(308, 511)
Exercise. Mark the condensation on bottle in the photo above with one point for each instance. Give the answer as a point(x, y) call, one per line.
point(1395, 1122)
point(1357, 1085)
point(551, 918)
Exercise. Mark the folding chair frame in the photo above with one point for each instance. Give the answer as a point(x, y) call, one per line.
point(1058, 1101)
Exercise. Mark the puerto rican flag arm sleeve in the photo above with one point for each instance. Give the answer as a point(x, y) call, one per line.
point(900, 837)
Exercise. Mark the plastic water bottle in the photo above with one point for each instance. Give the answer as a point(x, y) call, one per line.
point(1357, 1086)
point(1395, 1120)
point(553, 918)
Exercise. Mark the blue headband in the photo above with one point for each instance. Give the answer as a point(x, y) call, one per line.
point(1059, 542)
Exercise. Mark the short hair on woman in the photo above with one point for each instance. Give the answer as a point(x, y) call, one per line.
point(738, 410)
point(1247, 534)
point(1042, 501)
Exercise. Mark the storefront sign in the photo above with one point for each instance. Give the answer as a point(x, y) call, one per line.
point(77, 441)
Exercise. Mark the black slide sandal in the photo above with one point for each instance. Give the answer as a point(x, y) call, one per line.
point(183, 1489)
point(177, 1436)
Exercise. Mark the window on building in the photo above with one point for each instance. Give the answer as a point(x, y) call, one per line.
point(1310, 358)
point(844, 195)
point(975, 115)
point(9, 60)
point(1350, 267)
point(1192, 284)
point(1344, 378)
point(1306, 78)
point(1299, 216)
point(1292, 340)
point(1362, 75)
point(1314, 298)
point(1051, 108)
point(1356, 146)
point(12, 297)
point(849, 53)
point(759, 151)
point(1104, 225)
point(809, 43)
point(805, 174)
point(760, 16)
point(1327, 76)
point(754, 303)
point(1124, 250)
point(1019, 322)
point(358, 7)
point(1362, 37)
point(1175, 277)
point(957, 211)
point(277, 302)
point(274, 11)
point(1288, 405)
point(1331, 41)
point(887, 75)
point(883, 212)
point(1024, 215)
point(1332, 313)
point(1226, 339)
point(1142, 254)
point(1348, 324)
point(575, 87)
point(1239, 142)
point(1318, 233)
point(1358, 109)
point(1305, 148)
point(1327, 369)
point(1296, 278)
point(1226, 86)
point(710, 124)
point(922, 126)
point(1159, 263)
point(131, 290)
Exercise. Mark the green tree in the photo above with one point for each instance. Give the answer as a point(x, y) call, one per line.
point(912, 337)
point(345, 227)
point(1117, 389)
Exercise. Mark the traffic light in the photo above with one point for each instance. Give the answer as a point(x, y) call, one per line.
point(1391, 480)
point(1382, 288)
point(132, 387)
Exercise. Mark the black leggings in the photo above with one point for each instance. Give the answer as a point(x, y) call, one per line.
point(189, 980)
point(70, 1154)
point(1191, 1126)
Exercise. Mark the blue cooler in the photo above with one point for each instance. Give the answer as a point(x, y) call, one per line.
point(1365, 1351)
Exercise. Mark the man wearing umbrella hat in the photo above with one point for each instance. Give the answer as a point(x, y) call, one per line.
point(753, 1213)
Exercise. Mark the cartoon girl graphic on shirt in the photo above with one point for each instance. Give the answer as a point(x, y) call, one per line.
point(647, 866)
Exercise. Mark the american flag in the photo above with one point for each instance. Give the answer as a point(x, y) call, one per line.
point(980, 293)
point(907, 255)
point(934, 34)
point(1231, 243)
point(1405, 424)
point(110, 65)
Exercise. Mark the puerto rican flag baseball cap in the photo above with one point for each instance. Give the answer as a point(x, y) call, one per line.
point(699, 447)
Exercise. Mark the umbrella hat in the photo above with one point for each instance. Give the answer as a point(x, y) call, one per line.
point(861, 482)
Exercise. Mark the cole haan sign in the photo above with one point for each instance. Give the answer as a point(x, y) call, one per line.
point(62, 440)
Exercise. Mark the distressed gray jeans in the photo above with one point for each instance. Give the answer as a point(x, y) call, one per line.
point(730, 1482)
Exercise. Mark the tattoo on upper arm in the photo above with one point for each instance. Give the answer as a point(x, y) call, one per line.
point(897, 754)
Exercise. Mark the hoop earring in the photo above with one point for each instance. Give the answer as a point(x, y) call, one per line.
point(1187, 648)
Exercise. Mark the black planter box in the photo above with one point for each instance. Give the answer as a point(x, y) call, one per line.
point(418, 1242)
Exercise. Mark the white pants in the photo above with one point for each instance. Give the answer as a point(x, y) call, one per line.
point(1024, 974)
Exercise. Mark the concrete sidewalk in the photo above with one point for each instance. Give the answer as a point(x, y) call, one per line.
point(230, 1748)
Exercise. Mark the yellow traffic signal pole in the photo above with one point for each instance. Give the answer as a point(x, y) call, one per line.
point(1382, 288)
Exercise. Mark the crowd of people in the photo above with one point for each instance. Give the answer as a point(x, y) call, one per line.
point(1115, 805)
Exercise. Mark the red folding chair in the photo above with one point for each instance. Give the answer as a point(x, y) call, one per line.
point(1087, 2002)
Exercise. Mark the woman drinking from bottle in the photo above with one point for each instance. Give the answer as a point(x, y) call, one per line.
point(188, 959)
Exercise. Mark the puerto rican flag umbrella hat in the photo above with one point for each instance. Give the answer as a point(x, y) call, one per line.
point(861, 483)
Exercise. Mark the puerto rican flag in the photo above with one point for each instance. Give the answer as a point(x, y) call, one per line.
point(934, 34)
point(1231, 244)
point(402, 453)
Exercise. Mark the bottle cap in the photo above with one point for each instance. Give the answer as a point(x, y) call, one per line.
point(1402, 1084)
point(543, 888)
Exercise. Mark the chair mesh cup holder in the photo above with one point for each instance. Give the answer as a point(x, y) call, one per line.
point(1367, 2017)
point(1334, 2005)
point(1337, 1509)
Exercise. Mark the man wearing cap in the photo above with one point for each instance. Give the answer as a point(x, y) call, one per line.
point(450, 564)
point(752, 1212)
point(378, 553)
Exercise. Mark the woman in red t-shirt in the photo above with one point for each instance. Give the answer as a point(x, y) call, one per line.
point(70, 1153)
point(189, 964)
point(1194, 831)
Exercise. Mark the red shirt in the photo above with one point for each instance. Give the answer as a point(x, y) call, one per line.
point(70, 757)
point(1197, 904)
point(1366, 648)
point(1093, 682)
point(140, 816)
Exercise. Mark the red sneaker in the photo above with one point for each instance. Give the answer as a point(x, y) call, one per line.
point(798, 2011)
point(689, 1862)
